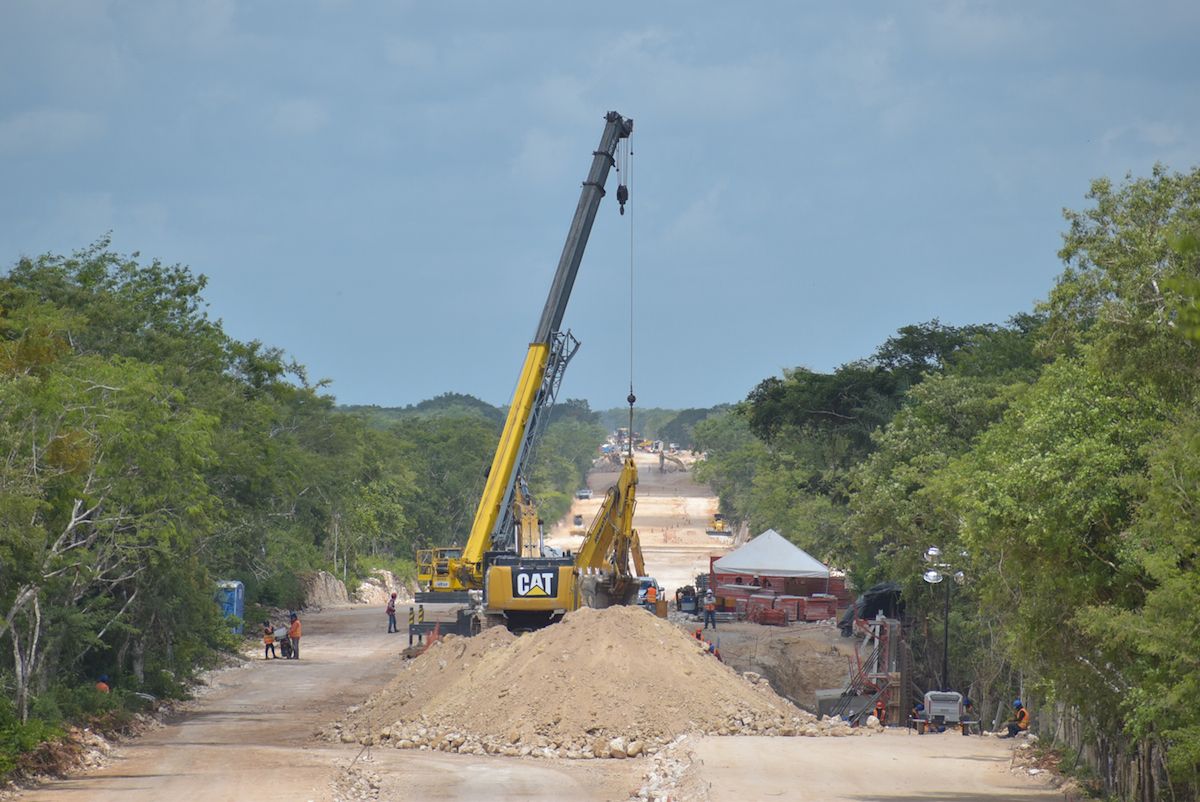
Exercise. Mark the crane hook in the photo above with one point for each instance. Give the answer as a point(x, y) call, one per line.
point(622, 196)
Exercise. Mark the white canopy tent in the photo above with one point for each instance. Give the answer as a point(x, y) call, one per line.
point(770, 554)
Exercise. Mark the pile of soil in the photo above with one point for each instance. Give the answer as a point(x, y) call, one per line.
point(600, 683)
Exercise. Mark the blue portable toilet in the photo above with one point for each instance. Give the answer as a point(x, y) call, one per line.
point(231, 595)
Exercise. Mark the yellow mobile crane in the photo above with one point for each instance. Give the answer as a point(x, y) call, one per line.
point(504, 566)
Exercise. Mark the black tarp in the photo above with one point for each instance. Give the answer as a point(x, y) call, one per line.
point(882, 598)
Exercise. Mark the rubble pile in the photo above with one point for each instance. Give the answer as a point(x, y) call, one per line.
point(379, 586)
point(670, 775)
point(612, 683)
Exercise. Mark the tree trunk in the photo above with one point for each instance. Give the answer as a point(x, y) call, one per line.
point(139, 660)
point(25, 658)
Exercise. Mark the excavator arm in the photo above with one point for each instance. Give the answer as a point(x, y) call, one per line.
point(602, 562)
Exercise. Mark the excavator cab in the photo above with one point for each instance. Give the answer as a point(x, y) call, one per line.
point(436, 568)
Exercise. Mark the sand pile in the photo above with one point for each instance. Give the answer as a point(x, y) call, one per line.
point(601, 683)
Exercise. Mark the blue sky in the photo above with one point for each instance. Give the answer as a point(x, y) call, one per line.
point(382, 189)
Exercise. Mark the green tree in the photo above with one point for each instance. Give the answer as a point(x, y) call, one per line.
point(732, 457)
point(1044, 500)
point(1113, 297)
point(103, 470)
point(1154, 647)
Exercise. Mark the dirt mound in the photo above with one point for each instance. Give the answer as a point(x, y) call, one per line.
point(600, 683)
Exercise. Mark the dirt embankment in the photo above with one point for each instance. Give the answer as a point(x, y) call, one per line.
point(379, 586)
point(798, 660)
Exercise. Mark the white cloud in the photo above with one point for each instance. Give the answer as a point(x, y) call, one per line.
point(698, 228)
point(544, 158)
point(410, 53)
point(975, 30)
point(1142, 134)
point(48, 131)
point(296, 116)
point(87, 215)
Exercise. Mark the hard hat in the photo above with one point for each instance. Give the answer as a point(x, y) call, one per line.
point(104, 677)
point(879, 703)
point(1017, 703)
point(293, 615)
point(920, 706)
point(393, 595)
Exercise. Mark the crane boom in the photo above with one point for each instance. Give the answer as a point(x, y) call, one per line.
point(537, 387)
point(616, 129)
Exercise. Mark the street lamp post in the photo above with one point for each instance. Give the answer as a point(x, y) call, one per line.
point(933, 576)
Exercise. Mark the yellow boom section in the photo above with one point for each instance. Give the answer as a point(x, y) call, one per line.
point(602, 561)
point(503, 464)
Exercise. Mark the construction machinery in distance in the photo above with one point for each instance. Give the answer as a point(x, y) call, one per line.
point(505, 571)
point(717, 526)
point(664, 458)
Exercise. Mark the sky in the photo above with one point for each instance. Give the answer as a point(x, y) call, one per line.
point(383, 189)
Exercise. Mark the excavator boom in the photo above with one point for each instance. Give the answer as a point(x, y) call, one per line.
point(602, 562)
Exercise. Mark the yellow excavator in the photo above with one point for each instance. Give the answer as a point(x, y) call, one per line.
point(505, 570)
point(717, 526)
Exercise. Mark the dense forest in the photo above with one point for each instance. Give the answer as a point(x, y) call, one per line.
point(1056, 458)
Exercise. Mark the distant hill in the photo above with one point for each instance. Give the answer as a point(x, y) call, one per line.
point(447, 405)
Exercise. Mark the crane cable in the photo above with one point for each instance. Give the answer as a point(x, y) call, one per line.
point(625, 174)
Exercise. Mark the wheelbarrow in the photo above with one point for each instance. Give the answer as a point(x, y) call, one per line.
point(285, 645)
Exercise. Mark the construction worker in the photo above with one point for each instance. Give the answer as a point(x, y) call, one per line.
point(268, 642)
point(102, 685)
point(1020, 721)
point(294, 637)
point(881, 713)
point(651, 597)
point(918, 712)
point(710, 609)
point(391, 614)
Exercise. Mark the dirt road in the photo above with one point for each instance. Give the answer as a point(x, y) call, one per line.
point(894, 765)
point(250, 737)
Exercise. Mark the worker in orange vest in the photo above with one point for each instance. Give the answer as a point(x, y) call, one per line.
point(710, 610)
point(651, 596)
point(1020, 722)
point(268, 641)
point(881, 713)
point(294, 637)
point(102, 685)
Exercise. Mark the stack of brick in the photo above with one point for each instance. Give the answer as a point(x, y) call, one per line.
point(818, 608)
point(792, 605)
